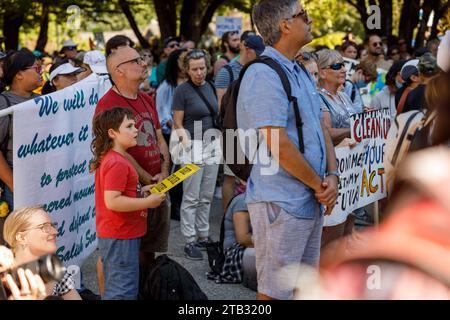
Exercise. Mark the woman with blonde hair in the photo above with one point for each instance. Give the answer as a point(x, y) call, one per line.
point(30, 234)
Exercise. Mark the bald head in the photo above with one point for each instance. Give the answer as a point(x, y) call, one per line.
point(125, 64)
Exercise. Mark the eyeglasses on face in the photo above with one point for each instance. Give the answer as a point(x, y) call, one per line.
point(137, 60)
point(71, 48)
point(46, 227)
point(36, 68)
point(303, 14)
point(336, 66)
point(377, 44)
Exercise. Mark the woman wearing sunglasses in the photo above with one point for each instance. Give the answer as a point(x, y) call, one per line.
point(22, 73)
point(31, 234)
point(337, 110)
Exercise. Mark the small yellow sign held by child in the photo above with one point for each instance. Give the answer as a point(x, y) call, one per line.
point(175, 178)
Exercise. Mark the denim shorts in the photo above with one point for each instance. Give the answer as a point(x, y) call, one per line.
point(120, 259)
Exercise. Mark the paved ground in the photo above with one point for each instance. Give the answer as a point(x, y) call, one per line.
point(198, 269)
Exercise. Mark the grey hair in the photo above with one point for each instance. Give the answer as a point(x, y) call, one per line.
point(267, 15)
point(325, 57)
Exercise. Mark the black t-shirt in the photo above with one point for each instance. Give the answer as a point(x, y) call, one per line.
point(416, 99)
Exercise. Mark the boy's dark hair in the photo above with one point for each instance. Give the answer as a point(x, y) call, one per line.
point(15, 62)
point(105, 120)
point(116, 42)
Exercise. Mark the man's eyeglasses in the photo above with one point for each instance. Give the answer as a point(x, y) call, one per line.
point(303, 14)
point(377, 44)
point(336, 66)
point(137, 60)
point(70, 48)
point(46, 227)
point(36, 68)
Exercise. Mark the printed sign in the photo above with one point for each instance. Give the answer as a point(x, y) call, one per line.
point(52, 138)
point(175, 178)
point(224, 24)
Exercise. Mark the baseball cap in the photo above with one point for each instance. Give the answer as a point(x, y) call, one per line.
point(428, 64)
point(256, 43)
point(65, 68)
point(443, 55)
point(38, 54)
point(169, 40)
point(96, 61)
point(246, 34)
point(410, 68)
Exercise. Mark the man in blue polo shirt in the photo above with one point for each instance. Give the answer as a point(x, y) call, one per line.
point(285, 205)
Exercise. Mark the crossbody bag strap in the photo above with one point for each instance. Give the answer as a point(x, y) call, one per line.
point(205, 101)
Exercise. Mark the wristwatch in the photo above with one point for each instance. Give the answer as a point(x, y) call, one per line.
point(334, 173)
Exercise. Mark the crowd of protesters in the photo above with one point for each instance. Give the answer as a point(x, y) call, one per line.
point(272, 221)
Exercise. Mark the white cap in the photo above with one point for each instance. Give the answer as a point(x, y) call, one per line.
point(443, 54)
point(65, 68)
point(69, 43)
point(96, 61)
point(409, 68)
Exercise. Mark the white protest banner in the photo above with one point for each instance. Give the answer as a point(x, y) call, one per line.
point(361, 168)
point(372, 128)
point(52, 137)
point(224, 24)
point(350, 66)
point(349, 163)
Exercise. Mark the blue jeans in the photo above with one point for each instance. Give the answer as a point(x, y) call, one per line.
point(120, 267)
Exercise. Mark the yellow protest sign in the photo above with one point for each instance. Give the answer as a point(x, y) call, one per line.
point(175, 178)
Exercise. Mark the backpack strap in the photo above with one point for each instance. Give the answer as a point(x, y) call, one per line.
point(401, 103)
point(202, 96)
point(325, 101)
point(287, 88)
point(230, 72)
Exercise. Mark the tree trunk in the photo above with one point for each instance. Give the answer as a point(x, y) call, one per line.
point(420, 38)
point(360, 5)
point(166, 11)
point(12, 21)
point(195, 19)
point(386, 18)
point(43, 31)
point(190, 20)
point(127, 11)
point(408, 20)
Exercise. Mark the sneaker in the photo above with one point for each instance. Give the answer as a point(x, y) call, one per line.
point(192, 251)
point(201, 244)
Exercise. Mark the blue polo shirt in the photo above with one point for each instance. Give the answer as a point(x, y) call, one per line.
point(263, 102)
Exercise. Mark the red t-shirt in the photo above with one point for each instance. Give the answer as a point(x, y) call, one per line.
point(116, 173)
point(146, 152)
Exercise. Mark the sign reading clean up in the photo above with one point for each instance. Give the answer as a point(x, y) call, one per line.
point(52, 137)
point(362, 171)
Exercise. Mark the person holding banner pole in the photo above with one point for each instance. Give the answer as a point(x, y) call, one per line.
point(23, 74)
point(150, 157)
point(337, 109)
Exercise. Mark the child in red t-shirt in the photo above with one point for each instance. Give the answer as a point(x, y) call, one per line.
point(121, 215)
